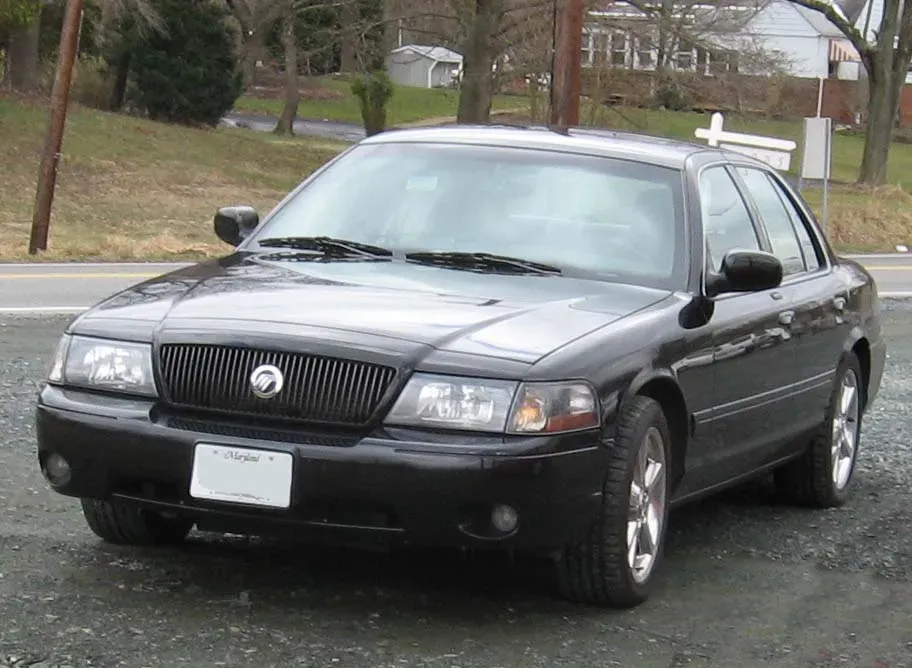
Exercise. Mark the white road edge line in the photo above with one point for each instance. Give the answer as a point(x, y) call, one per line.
point(12, 310)
point(76, 265)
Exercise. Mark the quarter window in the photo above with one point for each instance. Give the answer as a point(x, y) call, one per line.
point(726, 220)
point(776, 220)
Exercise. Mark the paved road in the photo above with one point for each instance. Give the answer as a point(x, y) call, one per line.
point(747, 583)
point(69, 288)
point(348, 132)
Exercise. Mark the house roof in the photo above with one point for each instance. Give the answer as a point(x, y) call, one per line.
point(819, 22)
point(440, 54)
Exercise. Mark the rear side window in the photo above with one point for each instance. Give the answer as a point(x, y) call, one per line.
point(812, 254)
point(775, 218)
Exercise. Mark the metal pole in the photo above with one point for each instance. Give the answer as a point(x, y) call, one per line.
point(826, 222)
point(820, 85)
point(47, 175)
point(565, 78)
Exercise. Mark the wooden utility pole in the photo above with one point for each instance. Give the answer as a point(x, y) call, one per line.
point(567, 63)
point(47, 175)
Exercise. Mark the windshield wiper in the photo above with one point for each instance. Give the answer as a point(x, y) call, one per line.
point(327, 245)
point(481, 261)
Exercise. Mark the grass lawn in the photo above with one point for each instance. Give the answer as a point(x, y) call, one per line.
point(329, 98)
point(132, 189)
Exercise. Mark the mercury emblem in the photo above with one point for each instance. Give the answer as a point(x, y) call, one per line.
point(266, 381)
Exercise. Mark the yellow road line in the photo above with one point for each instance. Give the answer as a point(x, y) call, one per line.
point(73, 275)
point(888, 267)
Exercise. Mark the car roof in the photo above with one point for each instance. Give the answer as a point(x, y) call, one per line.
point(662, 151)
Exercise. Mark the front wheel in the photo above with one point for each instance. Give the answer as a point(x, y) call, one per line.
point(822, 476)
point(615, 564)
point(122, 523)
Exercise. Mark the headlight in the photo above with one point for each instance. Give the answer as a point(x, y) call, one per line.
point(100, 364)
point(455, 403)
point(547, 408)
point(495, 405)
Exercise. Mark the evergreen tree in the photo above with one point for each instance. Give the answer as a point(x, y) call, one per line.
point(187, 72)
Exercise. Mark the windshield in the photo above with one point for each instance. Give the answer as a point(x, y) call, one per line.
point(613, 219)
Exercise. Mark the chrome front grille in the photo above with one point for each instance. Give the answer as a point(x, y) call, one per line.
point(316, 389)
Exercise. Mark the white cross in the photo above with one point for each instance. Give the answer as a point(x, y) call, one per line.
point(715, 134)
point(771, 150)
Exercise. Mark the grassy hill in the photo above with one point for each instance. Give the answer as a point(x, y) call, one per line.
point(135, 189)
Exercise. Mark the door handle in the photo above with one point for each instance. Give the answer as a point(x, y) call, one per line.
point(839, 303)
point(786, 318)
point(776, 295)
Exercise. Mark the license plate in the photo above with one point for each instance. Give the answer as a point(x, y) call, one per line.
point(241, 475)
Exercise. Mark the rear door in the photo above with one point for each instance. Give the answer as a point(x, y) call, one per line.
point(820, 296)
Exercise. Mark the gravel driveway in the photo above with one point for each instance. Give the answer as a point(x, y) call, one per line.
point(746, 583)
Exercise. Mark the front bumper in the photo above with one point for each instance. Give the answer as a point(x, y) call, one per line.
point(392, 486)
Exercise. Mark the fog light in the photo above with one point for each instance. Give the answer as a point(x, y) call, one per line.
point(504, 518)
point(57, 470)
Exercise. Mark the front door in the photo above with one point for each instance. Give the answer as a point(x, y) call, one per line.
point(754, 351)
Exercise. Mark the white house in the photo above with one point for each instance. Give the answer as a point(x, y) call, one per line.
point(798, 40)
point(424, 66)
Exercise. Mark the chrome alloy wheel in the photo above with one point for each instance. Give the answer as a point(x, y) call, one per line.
point(844, 442)
point(646, 513)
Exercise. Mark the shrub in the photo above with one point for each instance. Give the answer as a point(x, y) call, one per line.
point(187, 73)
point(92, 83)
point(373, 92)
point(672, 95)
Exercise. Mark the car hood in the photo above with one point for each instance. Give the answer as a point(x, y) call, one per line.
point(516, 317)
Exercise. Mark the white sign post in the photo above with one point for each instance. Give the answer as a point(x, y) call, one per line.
point(775, 152)
point(817, 156)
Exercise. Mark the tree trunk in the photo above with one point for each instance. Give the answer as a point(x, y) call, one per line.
point(390, 26)
point(251, 51)
point(884, 91)
point(121, 77)
point(348, 57)
point(5, 73)
point(285, 126)
point(23, 58)
point(477, 91)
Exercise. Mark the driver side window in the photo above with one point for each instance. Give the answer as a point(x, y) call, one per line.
point(726, 220)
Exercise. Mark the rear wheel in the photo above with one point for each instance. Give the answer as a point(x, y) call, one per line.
point(126, 524)
point(821, 478)
point(614, 565)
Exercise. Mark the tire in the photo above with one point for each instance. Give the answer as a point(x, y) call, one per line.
point(596, 571)
point(125, 524)
point(813, 480)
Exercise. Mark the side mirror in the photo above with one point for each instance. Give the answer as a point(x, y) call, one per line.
point(233, 224)
point(745, 271)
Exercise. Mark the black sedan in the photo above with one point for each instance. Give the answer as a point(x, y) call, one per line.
point(477, 337)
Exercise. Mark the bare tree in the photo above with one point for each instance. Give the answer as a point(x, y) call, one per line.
point(255, 19)
point(482, 20)
point(120, 18)
point(665, 27)
point(19, 32)
point(486, 32)
point(22, 57)
point(285, 126)
point(886, 59)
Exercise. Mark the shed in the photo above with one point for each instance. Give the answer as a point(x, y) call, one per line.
point(423, 66)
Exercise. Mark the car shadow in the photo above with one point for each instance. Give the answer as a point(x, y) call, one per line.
point(449, 584)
